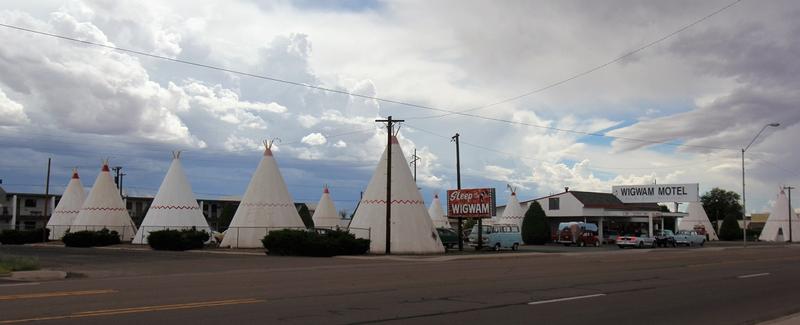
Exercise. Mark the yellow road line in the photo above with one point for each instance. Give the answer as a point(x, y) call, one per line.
point(55, 294)
point(143, 309)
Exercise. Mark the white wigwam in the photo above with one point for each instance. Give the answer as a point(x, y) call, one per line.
point(266, 206)
point(412, 229)
point(68, 207)
point(437, 214)
point(325, 216)
point(104, 208)
point(777, 226)
point(174, 206)
point(696, 217)
point(513, 212)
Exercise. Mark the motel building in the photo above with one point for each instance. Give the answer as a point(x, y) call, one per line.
point(605, 210)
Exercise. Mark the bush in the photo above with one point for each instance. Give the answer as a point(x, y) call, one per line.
point(19, 237)
point(177, 240)
point(312, 243)
point(730, 229)
point(534, 226)
point(89, 238)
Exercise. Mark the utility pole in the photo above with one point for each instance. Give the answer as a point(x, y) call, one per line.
point(120, 184)
point(390, 134)
point(414, 160)
point(117, 178)
point(458, 182)
point(791, 213)
point(47, 194)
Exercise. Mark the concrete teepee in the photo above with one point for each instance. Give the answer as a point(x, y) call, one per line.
point(412, 230)
point(104, 208)
point(777, 226)
point(437, 214)
point(266, 206)
point(325, 216)
point(697, 217)
point(513, 212)
point(68, 207)
point(174, 206)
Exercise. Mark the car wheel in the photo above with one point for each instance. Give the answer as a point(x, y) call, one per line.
point(653, 245)
point(621, 247)
point(674, 244)
point(702, 243)
point(691, 244)
point(497, 246)
point(641, 244)
point(582, 244)
point(515, 247)
point(597, 244)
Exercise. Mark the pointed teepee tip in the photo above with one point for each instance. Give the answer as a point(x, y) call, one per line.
point(436, 196)
point(325, 189)
point(75, 173)
point(105, 165)
point(268, 146)
point(176, 154)
point(394, 140)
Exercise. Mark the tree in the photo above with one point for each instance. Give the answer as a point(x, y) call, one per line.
point(225, 217)
point(730, 229)
point(534, 226)
point(306, 216)
point(720, 203)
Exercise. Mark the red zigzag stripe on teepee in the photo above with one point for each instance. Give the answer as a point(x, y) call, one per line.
point(67, 211)
point(174, 207)
point(104, 209)
point(393, 202)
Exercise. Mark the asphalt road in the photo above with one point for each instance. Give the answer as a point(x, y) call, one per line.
point(662, 286)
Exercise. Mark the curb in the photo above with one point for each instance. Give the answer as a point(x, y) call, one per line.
point(40, 275)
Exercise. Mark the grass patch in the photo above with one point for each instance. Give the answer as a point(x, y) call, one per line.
point(10, 264)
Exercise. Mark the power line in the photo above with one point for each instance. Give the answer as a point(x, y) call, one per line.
point(591, 70)
point(595, 168)
point(449, 112)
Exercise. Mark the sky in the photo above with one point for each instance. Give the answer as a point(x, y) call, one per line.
point(706, 88)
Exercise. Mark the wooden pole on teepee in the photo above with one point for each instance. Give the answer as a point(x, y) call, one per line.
point(390, 130)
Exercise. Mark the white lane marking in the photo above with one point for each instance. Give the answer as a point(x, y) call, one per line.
point(752, 275)
point(541, 302)
point(19, 284)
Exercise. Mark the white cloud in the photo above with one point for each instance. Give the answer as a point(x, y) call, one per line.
point(11, 112)
point(235, 143)
point(340, 144)
point(314, 139)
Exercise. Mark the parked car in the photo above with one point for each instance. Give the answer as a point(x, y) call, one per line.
point(610, 236)
point(638, 241)
point(689, 238)
point(448, 236)
point(665, 238)
point(578, 233)
point(497, 236)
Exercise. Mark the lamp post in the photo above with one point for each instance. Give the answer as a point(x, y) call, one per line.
point(744, 202)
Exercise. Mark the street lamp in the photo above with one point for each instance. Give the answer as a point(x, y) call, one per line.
point(744, 202)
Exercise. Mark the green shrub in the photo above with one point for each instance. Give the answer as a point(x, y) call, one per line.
point(313, 243)
point(177, 240)
point(730, 229)
point(20, 237)
point(89, 238)
point(534, 226)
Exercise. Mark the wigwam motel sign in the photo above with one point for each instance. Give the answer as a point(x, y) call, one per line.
point(655, 193)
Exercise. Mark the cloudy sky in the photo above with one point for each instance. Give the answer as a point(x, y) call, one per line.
point(709, 89)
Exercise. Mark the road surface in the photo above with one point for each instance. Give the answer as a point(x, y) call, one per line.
point(661, 286)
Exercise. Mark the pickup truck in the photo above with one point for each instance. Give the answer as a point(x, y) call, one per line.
point(689, 238)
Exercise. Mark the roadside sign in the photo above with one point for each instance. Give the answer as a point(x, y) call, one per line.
point(471, 203)
point(656, 193)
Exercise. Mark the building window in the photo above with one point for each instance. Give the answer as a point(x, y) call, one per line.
point(213, 210)
point(29, 225)
point(30, 203)
point(129, 205)
point(139, 207)
point(554, 204)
